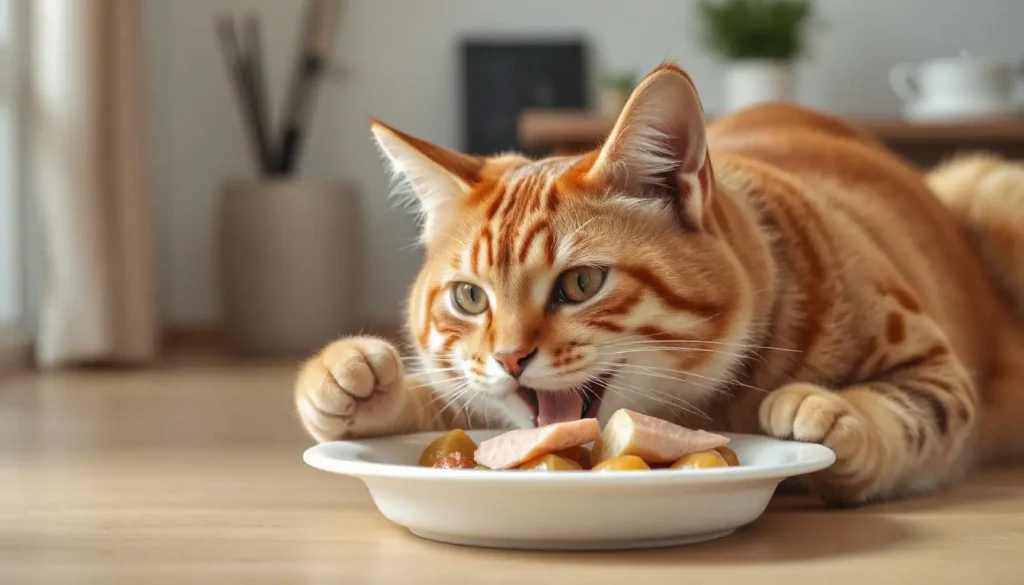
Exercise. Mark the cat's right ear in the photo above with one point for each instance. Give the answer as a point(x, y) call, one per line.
point(439, 178)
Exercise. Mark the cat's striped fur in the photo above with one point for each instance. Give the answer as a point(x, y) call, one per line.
point(778, 271)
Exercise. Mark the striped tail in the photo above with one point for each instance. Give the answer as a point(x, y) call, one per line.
point(987, 193)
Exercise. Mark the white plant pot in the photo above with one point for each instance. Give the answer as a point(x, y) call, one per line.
point(757, 81)
point(288, 265)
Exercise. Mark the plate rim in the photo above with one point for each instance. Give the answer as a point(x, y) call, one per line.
point(821, 457)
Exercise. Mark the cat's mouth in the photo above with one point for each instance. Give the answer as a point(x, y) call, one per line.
point(554, 406)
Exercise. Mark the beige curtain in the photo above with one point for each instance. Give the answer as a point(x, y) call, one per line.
point(89, 168)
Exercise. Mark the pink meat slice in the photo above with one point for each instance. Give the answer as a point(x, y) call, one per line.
point(652, 439)
point(516, 447)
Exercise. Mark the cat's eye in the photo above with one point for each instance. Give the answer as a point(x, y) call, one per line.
point(579, 284)
point(469, 298)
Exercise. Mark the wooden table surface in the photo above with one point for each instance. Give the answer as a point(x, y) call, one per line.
point(193, 474)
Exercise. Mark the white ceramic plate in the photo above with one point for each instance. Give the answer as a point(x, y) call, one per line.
point(567, 510)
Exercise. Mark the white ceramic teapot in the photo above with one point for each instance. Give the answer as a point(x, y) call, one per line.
point(952, 89)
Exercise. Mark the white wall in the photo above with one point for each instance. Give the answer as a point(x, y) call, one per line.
point(402, 62)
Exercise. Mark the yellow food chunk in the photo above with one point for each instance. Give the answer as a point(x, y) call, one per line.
point(456, 441)
point(550, 462)
point(455, 460)
point(580, 455)
point(702, 460)
point(622, 463)
point(729, 455)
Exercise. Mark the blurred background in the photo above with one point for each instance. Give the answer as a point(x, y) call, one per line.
point(168, 179)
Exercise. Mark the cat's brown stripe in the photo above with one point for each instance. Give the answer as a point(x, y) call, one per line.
point(474, 256)
point(450, 330)
point(527, 239)
point(549, 247)
point(918, 360)
point(551, 200)
point(905, 298)
point(488, 245)
point(655, 332)
point(895, 329)
point(494, 203)
point(606, 325)
point(575, 180)
point(620, 306)
point(946, 386)
point(668, 296)
point(926, 396)
point(423, 334)
point(507, 201)
point(913, 436)
point(483, 191)
point(449, 342)
point(511, 220)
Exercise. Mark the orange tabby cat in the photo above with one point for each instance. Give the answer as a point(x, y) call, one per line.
point(778, 271)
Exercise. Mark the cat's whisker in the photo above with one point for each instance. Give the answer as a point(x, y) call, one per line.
point(617, 392)
point(433, 371)
point(712, 379)
point(701, 341)
point(675, 349)
point(664, 398)
point(644, 370)
point(455, 395)
point(468, 394)
point(612, 342)
point(439, 385)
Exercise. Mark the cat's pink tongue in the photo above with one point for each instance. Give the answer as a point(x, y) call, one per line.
point(556, 407)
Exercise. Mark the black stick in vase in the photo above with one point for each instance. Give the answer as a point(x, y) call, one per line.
point(317, 39)
point(253, 50)
point(239, 74)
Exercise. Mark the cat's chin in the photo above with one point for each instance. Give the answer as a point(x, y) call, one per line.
point(560, 405)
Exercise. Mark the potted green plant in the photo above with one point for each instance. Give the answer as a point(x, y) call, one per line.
point(616, 88)
point(760, 40)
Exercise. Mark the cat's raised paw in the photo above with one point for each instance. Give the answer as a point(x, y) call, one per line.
point(352, 388)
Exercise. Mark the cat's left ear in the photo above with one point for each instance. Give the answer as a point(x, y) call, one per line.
point(439, 178)
point(658, 146)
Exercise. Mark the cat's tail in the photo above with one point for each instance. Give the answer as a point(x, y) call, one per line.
point(987, 193)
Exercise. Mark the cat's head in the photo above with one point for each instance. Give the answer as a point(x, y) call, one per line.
point(574, 286)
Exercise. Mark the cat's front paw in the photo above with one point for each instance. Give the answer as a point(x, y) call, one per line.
point(352, 388)
point(810, 413)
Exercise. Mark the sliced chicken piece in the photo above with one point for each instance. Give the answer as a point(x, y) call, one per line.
point(651, 439)
point(515, 447)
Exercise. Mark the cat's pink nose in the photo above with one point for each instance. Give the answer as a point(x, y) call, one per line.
point(515, 361)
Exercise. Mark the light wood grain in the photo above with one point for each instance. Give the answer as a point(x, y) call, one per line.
point(568, 129)
point(193, 474)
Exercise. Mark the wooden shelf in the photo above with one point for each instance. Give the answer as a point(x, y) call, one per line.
point(573, 128)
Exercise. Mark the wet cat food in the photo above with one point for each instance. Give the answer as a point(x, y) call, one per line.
point(630, 441)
